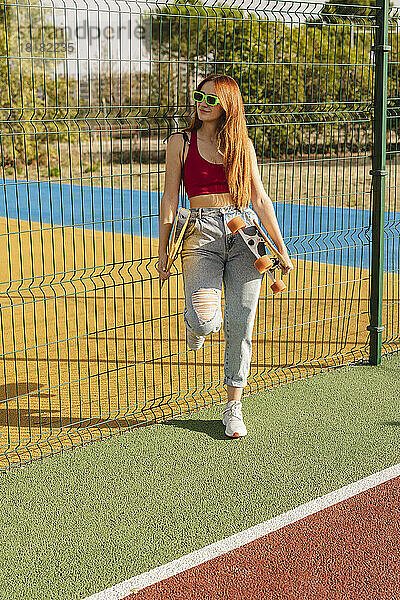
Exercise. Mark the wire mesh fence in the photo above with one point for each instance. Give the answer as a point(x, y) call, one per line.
point(90, 346)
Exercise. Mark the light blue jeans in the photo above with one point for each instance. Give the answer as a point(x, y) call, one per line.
point(212, 255)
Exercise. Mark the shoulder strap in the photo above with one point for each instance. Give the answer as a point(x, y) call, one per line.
point(184, 133)
point(185, 137)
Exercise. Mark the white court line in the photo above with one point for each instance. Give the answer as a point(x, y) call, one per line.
point(119, 591)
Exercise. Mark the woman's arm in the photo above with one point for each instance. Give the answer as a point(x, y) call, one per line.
point(264, 208)
point(169, 200)
point(170, 197)
point(262, 203)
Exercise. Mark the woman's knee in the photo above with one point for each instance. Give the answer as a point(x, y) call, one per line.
point(204, 315)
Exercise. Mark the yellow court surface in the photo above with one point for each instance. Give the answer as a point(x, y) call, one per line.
point(92, 346)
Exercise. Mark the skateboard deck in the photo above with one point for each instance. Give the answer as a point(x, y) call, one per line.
point(257, 241)
point(271, 246)
point(180, 223)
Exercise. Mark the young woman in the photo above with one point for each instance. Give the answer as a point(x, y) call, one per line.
point(221, 177)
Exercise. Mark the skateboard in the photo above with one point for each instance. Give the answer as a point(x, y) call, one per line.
point(255, 239)
point(178, 230)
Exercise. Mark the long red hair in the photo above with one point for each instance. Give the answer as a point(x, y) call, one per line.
point(232, 137)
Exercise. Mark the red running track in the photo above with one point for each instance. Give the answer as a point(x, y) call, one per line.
point(350, 551)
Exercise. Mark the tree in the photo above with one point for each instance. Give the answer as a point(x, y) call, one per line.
point(293, 79)
point(34, 95)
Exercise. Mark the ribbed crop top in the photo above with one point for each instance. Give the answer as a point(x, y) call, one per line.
point(200, 175)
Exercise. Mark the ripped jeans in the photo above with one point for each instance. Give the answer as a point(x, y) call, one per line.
point(212, 255)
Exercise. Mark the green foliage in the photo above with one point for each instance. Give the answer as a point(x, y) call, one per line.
point(54, 172)
point(30, 91)
point(293, 77)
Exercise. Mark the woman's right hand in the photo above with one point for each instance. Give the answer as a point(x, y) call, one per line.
point(162, 266)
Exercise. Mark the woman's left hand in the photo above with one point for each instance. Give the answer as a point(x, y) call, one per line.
point(290, 267)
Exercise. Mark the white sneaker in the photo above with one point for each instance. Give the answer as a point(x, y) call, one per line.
point(193, 340)
point(233, 420)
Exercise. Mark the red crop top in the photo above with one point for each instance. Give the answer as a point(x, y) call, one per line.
point(202, 176)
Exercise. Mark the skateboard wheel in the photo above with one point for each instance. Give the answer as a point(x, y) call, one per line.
point(235, 224)
point(278, 286)
point(263, 263)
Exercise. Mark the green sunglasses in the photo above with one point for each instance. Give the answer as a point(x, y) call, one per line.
point(210, 98)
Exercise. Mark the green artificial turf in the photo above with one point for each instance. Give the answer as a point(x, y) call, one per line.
point(75, 524)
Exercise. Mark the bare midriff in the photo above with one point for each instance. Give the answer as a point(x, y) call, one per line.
point(211, 200)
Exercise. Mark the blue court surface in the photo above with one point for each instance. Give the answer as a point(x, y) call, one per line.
point(334, 235)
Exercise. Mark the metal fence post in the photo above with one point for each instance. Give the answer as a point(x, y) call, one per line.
point(378, 173)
